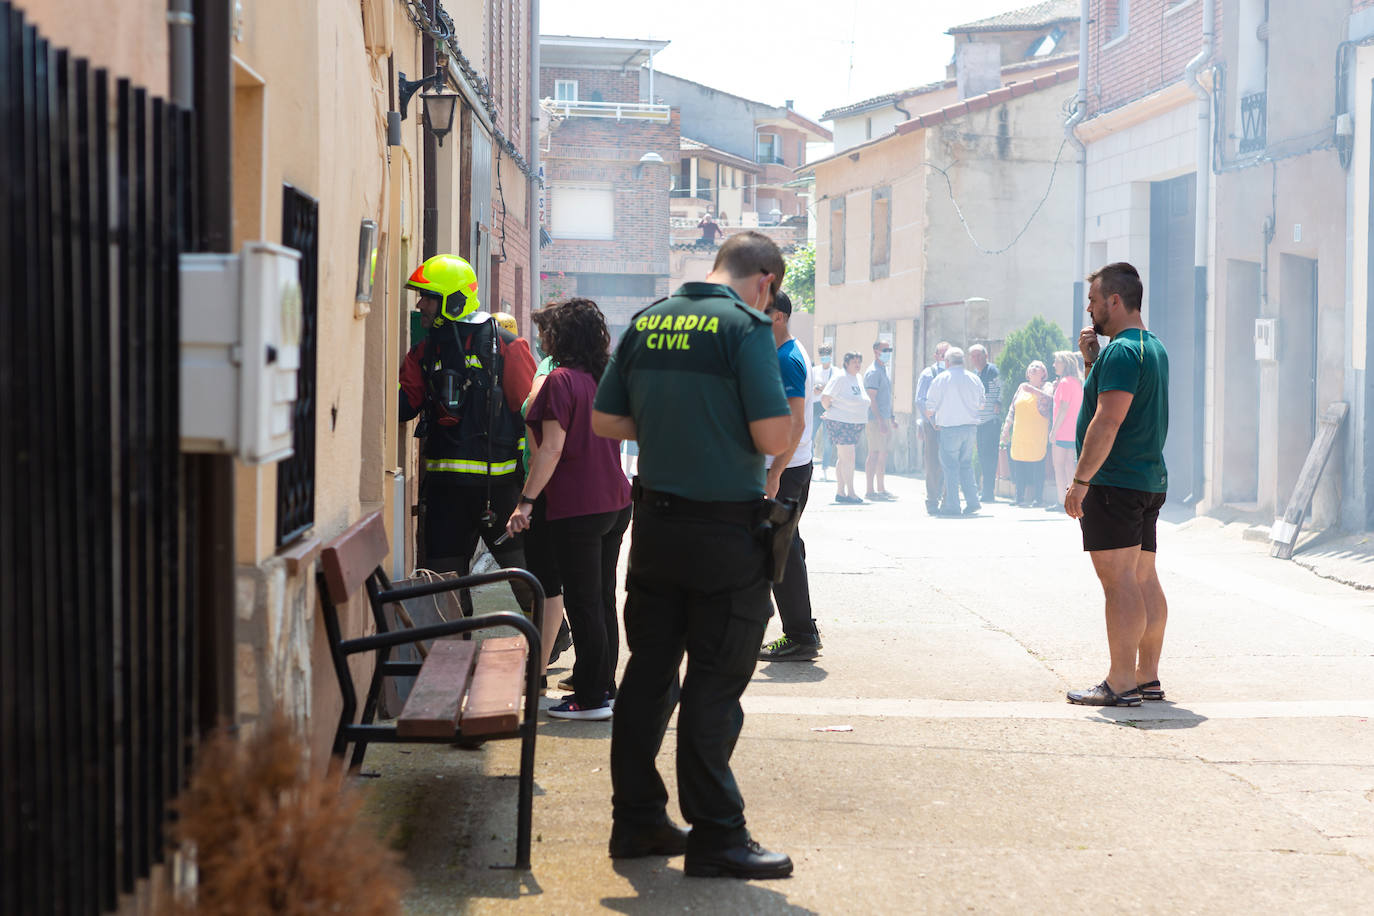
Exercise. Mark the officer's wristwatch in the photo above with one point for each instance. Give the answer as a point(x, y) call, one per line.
point(526, 499)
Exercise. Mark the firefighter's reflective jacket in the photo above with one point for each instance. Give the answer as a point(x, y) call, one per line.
point(469, 379)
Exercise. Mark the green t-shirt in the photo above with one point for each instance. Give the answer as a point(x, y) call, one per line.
point(694, 371)
point(546, 365)
point(1134, 361)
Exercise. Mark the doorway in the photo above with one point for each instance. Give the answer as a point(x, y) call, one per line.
point(1297, 395)
point(1241, 410)
point(1170, 314)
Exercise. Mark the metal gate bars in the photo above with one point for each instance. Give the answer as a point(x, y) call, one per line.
point(97, 646)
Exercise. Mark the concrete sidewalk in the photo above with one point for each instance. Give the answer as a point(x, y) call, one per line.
point(961, 780)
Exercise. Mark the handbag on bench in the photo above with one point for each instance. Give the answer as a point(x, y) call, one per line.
point(415, 612)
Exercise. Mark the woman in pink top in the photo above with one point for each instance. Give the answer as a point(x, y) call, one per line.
point(1068, 398)
point(586, 497)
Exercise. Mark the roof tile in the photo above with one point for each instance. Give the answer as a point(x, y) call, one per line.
point(1027, 17)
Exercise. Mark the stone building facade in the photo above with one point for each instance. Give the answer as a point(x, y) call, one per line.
point(894, 256)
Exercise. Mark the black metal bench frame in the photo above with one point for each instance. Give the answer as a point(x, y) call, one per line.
point(381, 593)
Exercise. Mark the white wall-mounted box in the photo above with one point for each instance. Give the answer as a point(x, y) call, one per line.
point(1266, 339)
point(240, 351)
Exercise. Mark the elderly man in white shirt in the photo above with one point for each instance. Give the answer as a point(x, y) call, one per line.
point(953, 403)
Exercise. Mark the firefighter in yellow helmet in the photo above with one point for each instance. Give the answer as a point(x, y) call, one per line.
point(507, 321)
point(466, 381)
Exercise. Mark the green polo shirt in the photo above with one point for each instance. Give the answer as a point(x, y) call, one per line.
point(1134, 361)
point(693, 371)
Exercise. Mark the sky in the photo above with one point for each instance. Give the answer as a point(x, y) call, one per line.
point(820, 54)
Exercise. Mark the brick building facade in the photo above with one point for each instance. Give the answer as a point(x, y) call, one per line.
point(507, 55)
point(607, 172)
point(1132, 56)
point(773, 138)
point(613, 147)
point(593, 85)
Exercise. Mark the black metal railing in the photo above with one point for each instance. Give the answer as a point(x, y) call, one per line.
point(702, 192)
point(296, 475)
point(1253, 122)
point(97, 638)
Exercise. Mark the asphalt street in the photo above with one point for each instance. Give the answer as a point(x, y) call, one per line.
point(927, 761)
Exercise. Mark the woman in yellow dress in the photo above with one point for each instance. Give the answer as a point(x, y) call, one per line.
point(1027, 433)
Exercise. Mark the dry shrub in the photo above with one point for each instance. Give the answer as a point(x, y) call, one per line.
point(269, 836)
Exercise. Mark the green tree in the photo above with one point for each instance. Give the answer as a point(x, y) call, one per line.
point(1039, 339)
point(800, 282)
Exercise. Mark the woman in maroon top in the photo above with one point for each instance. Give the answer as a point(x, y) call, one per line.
point(586, 497)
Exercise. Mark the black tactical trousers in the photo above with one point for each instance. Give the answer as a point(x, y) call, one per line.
point(453, 524)
point(699, 587)
point(793, 594)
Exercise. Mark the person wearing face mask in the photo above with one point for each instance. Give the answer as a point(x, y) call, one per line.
point(789, 477)
point(930, 436)
point(881, 421)
point(696, 381)
point(822, 448)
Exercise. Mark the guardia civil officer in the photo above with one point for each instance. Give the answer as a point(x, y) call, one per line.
point(695, 380)
point(468, 378)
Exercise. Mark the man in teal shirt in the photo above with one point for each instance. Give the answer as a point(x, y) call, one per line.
point(1120, 482)
point(695, 380)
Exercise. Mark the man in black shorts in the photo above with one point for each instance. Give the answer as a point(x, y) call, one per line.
point(1120, 482)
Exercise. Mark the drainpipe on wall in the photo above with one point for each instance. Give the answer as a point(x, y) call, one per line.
point(181, 40)
point(210, 478)
point(536, 230)
point(1201, 208)
point(429, 156)
point(1080, 225)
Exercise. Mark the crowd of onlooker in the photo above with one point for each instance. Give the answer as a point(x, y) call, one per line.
point(971, 437)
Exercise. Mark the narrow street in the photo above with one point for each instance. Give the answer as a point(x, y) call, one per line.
point(961, 781)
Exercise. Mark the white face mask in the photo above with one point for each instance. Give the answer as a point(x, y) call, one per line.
point(762, 304)
point(885, 357)
point(825, 362)
point(940, 364)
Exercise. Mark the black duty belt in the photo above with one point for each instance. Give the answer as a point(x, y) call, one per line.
point(747, 513)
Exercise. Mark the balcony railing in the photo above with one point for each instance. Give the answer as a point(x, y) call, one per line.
point(769, 159)
point(1253, 122)
point(621, 111)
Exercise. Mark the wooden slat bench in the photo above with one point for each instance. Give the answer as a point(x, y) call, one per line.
point(463, 690)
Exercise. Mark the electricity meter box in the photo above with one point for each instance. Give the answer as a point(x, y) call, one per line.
point(1266, 340)
point(240, 351)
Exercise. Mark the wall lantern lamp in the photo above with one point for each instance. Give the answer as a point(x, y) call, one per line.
point(440, 104)
point(439, 109)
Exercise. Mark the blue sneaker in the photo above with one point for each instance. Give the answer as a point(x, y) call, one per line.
point(570, 709)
